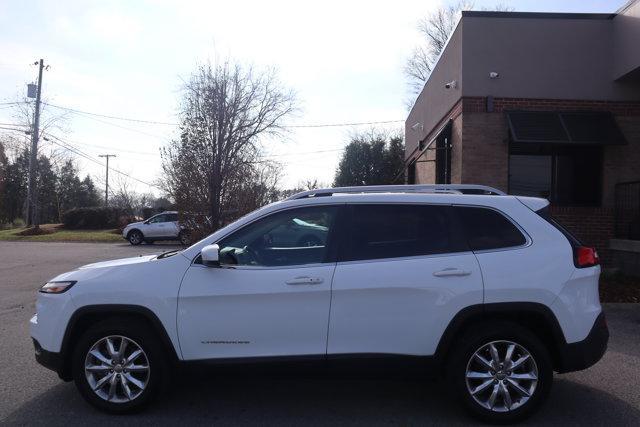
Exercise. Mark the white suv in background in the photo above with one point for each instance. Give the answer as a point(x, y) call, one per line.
point(163, 226)
point(483, 287)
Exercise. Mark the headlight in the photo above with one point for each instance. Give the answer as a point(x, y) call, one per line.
point(56, 287)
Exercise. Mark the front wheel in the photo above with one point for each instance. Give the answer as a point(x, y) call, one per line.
point(135, 237)
point(118, 366)
point(501, 372)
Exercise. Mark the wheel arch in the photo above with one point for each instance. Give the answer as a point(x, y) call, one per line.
point(134, 229)
point(536, 317)
point(85, 317)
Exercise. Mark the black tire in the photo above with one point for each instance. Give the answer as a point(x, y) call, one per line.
point(135, 237)
point(140, 335)
point(185, 238)
point(500, 333)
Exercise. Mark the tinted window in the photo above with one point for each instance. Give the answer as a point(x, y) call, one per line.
point(391, 231)
point(488, 229)
point(172, 217)
point(159, 218)
point(291, 237)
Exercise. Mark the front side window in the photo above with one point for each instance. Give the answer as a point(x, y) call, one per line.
point(291, 237)
point(487, 229)
point(393, 231)
point(157, 219)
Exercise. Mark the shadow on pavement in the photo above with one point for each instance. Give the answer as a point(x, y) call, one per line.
point(312, 400)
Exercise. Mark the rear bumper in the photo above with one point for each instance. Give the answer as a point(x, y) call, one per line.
point(583, 354)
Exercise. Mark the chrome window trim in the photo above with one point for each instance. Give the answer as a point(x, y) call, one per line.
point(405, 258)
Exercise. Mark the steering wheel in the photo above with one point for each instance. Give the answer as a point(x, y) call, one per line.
point(252, 256)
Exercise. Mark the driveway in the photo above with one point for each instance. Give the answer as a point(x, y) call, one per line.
point(606, 394)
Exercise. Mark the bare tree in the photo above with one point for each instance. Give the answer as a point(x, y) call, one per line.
point(226, 110)
point(436, 29)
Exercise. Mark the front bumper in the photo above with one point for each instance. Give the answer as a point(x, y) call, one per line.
point(583, 354)
point(50, 360)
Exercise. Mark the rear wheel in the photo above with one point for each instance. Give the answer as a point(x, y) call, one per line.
point(501, 372)
point(135, 237)
point(118, 366)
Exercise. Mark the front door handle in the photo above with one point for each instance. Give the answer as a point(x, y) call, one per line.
point(305, 280)
point(451, 272)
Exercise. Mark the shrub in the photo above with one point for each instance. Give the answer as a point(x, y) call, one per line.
point(98, 217)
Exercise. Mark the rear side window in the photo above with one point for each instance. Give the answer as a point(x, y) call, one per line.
point(488, 229)
point(172, 217)
point(393, 231)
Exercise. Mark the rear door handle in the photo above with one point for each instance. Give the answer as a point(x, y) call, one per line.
point(451, 272)
point(305, 280)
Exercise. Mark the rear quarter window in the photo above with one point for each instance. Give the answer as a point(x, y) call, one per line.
point(487, 229)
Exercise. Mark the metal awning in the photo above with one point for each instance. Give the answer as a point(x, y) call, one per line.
point(555, 127)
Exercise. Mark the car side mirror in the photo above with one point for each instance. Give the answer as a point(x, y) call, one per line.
point(211, 255)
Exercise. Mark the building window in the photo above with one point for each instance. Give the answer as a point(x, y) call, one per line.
point(566, 175)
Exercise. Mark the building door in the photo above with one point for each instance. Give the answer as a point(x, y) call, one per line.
point(443, 156)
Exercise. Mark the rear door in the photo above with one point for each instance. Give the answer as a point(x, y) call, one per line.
point(173, 227)
point(404, 273)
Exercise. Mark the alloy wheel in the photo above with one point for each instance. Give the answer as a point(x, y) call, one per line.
point(135, 238)
point(501, 376)
point(117, 369)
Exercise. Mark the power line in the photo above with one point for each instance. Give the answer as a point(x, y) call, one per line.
point(128, 119)
point(15, 103)
point(14, 124)
point(122, 127)
point(156, 122)
point(13, 129)
point(329, 125)
point(302, 153)
point(76, 150)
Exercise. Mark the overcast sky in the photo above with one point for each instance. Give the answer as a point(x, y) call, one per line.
point(343, 58)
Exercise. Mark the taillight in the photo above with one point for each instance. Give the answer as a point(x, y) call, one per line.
point(586, 257)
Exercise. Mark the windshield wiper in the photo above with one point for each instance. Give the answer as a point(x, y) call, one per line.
point(168, 254)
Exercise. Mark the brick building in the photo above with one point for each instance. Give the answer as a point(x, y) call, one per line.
point(540, 104)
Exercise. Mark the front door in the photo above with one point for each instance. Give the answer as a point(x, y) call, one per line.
point(158, 226)
point(271, 295)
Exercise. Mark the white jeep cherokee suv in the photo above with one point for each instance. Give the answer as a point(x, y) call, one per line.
point(484, 287)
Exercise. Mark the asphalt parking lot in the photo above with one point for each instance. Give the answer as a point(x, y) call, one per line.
point(606, 394)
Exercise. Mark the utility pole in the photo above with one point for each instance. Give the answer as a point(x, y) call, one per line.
point(106, 187)
point(32, 189)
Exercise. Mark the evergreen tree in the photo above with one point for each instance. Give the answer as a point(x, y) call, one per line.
point(370, 160)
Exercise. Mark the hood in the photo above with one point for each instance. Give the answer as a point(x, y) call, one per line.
point(133, 224)
point(118, 262)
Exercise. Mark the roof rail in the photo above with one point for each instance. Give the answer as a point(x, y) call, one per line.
point(418, 188)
